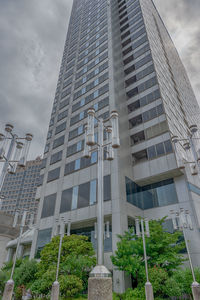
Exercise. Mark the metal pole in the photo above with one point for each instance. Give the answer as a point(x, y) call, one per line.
point(145, 254)
point(17, 249)
point(100, 212)
point(8, 157)
point(189, 256)
point(59, 253)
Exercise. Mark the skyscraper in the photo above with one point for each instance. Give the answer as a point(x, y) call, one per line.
point(19, 190)
point(119, 56)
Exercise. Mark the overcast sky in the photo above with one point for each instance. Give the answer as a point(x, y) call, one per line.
point(32, 36)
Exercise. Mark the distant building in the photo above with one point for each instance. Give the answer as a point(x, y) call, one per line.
point(19, 189)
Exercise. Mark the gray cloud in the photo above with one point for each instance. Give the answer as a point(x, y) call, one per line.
point(32, 35)
point(182, 20)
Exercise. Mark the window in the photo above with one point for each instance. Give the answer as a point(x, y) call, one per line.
point(96, 94)
point(43, 238)
point(151, 151)
point(40, 180)
point(93, 192)
point(43, 164)
point(66, 200)
point(48, 206)
point(77, 164)
point(75, 197)
point(64, 103)
point(56, 157)
point(46, 149)
point(79, 146)
point(154, 195)
point(58, 142)
point(69, 168)
point(53, 174)
point(93, 157)
point(107, 188)
point(83, 195)
point(60, 128)
point(62, 115)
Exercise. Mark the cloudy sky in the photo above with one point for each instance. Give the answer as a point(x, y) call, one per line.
point(32, 36)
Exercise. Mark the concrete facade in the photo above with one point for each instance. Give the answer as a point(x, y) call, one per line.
point(7, 233)
point(119, 56)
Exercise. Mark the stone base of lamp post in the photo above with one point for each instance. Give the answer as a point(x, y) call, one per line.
point(196, 290)
point(100, 284)
point(149, 291)
point(8, 291)
point(55, 291)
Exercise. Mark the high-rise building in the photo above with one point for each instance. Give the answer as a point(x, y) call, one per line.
point(19, 190)
point(119, 56)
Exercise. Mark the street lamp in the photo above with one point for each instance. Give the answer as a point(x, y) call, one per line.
point(182, 221)
point(56, 287)
point(188, 144)
point(148, 285)
point(13, 152)
point(8, 291)
point(113, 142)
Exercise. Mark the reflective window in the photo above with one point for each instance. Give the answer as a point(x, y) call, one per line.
point(79, 146)
point(58, 142)
point(43, 238)
point(56, 157)
point(53, 174)
point(93, 157)
point(66, 200)
point(75, 197)
point(154, 195)
point(77, 164)
point(107, 188)
point(48, 206)
point(83, 195)
point(93, 192)
point(60, 128)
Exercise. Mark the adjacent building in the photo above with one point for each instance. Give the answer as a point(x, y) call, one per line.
point(119, 56)
point(19, 190)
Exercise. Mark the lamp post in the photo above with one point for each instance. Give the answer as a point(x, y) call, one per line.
point(148, 285)
point(8, 290)
point(56, 287)
point(100, 282)
point(13, 152)
point(182, 221)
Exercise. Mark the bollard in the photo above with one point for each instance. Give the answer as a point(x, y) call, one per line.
point(8, 290)
point(149, 291)
point(100, 284)
point(196, 290)
point(55, 291)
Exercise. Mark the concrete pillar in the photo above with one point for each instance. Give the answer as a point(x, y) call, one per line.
point(10, 253)
point(149, 291)
point(55, 291)
point(196, 290)
point(8, 290)
point(100, 284)
point(20, 251)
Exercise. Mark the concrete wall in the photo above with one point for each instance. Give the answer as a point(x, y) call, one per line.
point(7, 233)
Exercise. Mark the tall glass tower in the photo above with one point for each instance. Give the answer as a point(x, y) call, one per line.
point(119, 56)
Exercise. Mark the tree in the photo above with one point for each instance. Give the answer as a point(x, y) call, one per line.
point(77, 259)
point(24, 274)
point(163, 251)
